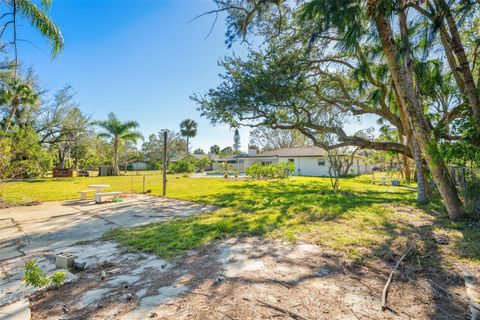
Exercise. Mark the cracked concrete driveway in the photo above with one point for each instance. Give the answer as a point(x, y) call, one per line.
point(40, 232)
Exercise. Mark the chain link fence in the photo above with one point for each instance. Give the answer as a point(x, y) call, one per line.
point(467, 181)
point(30, 191)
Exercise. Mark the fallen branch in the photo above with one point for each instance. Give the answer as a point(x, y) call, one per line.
point(282, 283)
point(292, 314)
point(356, 316)
point(202, 294)
point(449, 316)
point(390, 277)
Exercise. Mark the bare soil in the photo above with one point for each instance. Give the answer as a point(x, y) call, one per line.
point(253, 278)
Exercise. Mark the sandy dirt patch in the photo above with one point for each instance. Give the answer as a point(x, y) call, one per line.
point(250, 278)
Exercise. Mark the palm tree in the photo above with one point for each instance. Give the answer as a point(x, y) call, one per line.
point(39, 19)
point(16, 94)
point(118, 131)
point(188, 129)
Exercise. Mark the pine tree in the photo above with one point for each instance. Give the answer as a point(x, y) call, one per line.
point(236, 141)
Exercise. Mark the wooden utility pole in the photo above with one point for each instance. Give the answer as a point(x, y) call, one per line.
point(164, 163)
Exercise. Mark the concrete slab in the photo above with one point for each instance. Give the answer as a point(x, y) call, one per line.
point(148, 304)
point(15, 289)
point(9, 253)
point(124, 279)
point(19, 310)
point(91, 297)
point(53, 227)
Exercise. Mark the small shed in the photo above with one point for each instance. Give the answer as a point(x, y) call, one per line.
point(105, 171)
point(139, 165)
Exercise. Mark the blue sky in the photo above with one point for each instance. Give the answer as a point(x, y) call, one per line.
point(139, 59)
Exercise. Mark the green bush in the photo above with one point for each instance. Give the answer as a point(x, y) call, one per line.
point(188, 165)
point(255, 171)
point(183, 166)
point(34, 276)
point(22, 156)
point(203, 163)
point(271, 171)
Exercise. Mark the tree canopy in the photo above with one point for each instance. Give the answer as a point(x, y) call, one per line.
point(322, 64)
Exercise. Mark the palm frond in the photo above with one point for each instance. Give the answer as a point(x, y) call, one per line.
point(132, 136)
point(42, 22)
point(128, 125)
point(46, 4)
point(104, 135)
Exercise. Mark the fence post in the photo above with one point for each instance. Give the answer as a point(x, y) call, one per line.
point(164, 167)
point(143, 184)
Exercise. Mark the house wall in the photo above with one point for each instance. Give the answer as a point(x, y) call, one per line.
point(309, 166)
point(361, 167)
point(251, 161)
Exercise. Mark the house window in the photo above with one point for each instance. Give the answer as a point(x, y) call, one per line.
point(321, 161)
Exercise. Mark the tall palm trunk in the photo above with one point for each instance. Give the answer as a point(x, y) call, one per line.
point(421, 131)
point(187, 146)
point(116, 170)
point(454, 43)
point(422, 194)
point(422, 197)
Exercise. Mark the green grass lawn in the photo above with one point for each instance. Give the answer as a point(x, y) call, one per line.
point(357, 223)
point(50, 189)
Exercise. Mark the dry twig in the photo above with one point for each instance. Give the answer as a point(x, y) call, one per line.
point(390, 277)
point(292, 314)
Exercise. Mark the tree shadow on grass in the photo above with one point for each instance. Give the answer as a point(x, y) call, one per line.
point(283, 195)
point(260, 209)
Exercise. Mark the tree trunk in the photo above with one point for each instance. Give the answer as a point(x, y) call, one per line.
point(115, 158)
point(349, 163)
point(406, 164)
point(414, 110)
point(400, 167)
point(14, 109)
point(187, 146)
point(422, 197)
point(61, 158)
point(463, 64)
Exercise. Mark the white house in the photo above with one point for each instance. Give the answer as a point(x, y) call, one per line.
point(309, 161)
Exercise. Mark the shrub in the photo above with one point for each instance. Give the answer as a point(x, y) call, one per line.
point(22, 156)
point(186, 165)
point(203, 163)
point(34, 276)
point(255, 171)
point(271, 171)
